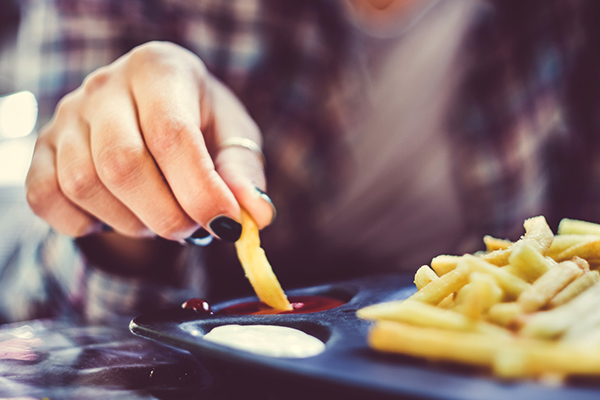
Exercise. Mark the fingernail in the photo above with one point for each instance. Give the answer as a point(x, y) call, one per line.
point(266, 198)
point(104, 227)
point(200, 238)
point(226, 228)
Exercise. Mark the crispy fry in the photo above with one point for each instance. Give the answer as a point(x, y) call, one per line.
point(437, 290)
point(553, 323)
point(573, 226)
point(530, 263)
point(447, 303)
point(563, 242)
point(511, 285)
point(548, 286)
point(422, 314)
point(479, 295)
point(257, 267)
point(525, 358)
point(444, 263)
point(424, 276)
point(575, 288)
point(505, 314)
point(492, 243)
point(587, 250)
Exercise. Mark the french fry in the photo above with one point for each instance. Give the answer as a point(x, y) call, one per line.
point(554, 323)
point(444, 263)
point(505, 314)
point(257, 267)
point(525, 358)
point(530, 263)
point(447, 303)
point(425, 315)
point(575, 288)
point(436, 344)
point(548, 286)
point(537, 234)
point(585, 250)
point(573, 226)
point(424, 276)
point(492, 243)
point(440, 288)
point(563, 242)
point(511, 285)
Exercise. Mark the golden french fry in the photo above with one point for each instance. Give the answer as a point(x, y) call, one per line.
point(525, 358)
point(530, 263)
point(548, 286)
point(424, 276)
point(563, 242)
point(440, 288)
point(436, 344)
point(537, 234)
point(587, 250)
point(492, 243)
point(505, 314)
point(552, 324)
point(443, 264)
point(512, 285)
point(575, 288)
point(257, 267)
point(573, 226)
point(447, 303)
point(422, 314)
point(478, 296)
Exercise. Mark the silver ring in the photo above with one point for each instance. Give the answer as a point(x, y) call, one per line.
point(243, 142)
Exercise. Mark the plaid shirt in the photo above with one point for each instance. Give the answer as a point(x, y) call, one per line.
point(518, 130)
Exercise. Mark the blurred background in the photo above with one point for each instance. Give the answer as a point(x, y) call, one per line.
point(18, 116)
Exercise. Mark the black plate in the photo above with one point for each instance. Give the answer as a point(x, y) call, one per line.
point(347, 361)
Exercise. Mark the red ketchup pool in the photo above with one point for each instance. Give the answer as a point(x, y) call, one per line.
point(300, 304)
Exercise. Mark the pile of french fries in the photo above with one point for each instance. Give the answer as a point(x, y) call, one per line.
point(528, 309)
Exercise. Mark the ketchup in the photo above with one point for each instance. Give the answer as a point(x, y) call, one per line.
point(300, 305)
point(199, 305)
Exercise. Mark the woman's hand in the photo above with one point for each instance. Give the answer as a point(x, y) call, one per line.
point(137, 147)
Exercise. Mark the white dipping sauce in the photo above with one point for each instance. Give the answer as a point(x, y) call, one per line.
point(267, 340)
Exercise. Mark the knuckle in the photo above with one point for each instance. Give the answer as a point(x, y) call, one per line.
point(78, 182)
point(166, 134)
point(171, 226)
point(117, 164)
point(96, 80)
point(40, 193)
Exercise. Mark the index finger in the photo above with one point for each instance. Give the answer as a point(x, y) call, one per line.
point(168, 98)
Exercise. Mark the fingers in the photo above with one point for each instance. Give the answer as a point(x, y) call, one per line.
point(80, 183)
point(240, 167)
point(127, 169)
point(47, 200)
point(169, 100)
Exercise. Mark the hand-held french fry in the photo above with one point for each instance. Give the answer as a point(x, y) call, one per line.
point(257, 267)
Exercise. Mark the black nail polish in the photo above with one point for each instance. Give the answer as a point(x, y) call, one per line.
point(200, 238)
point(104, 227)
point(226, 228)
